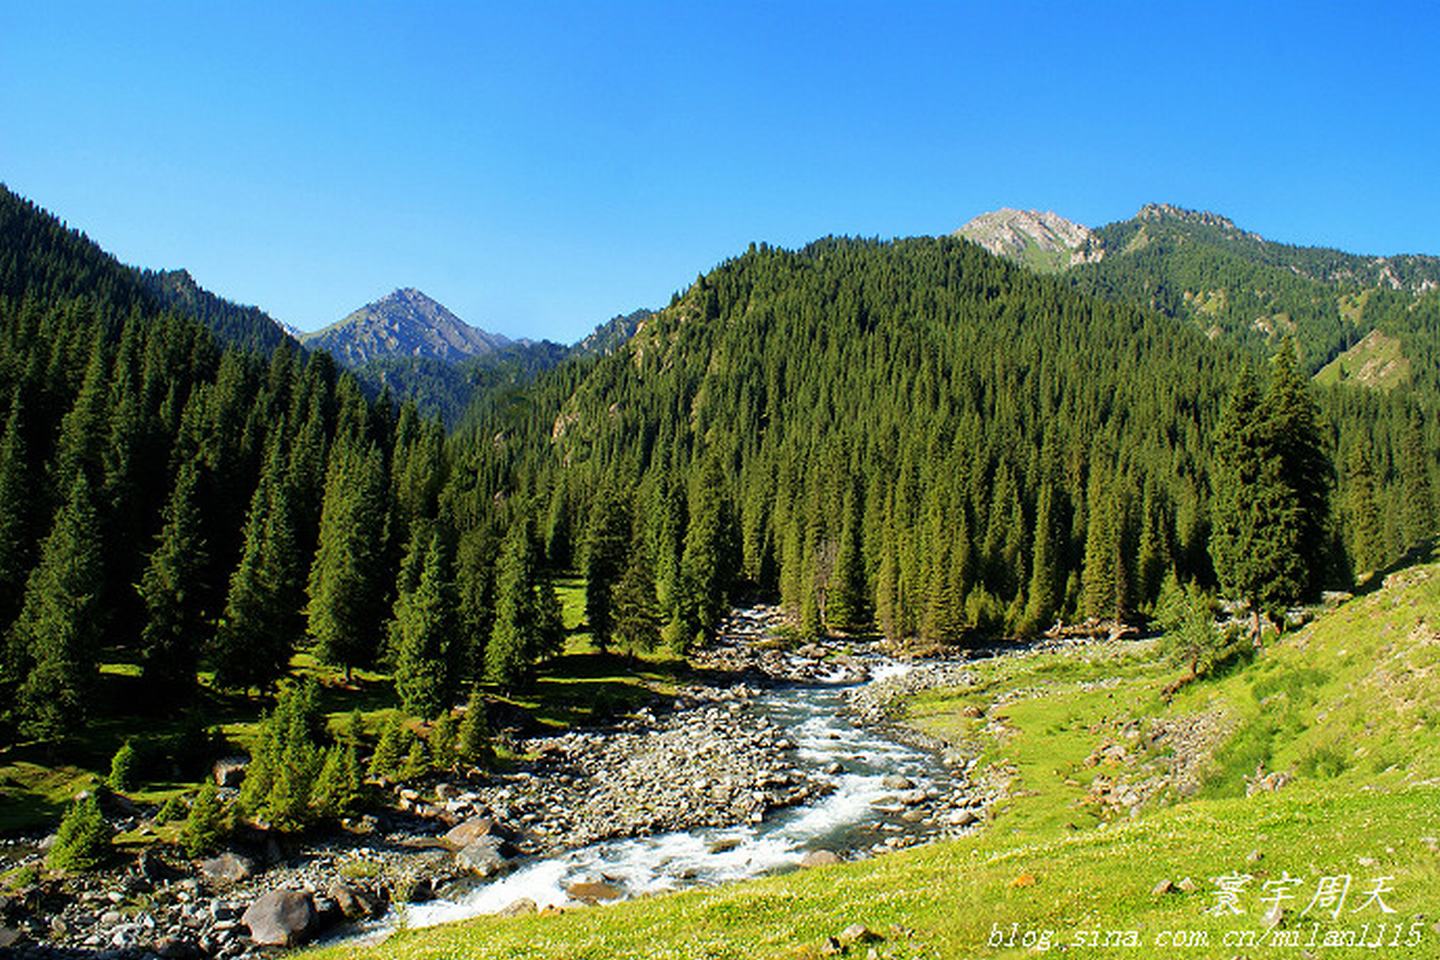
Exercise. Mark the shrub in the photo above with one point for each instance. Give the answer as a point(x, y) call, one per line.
point(474, 745)
point(204, 828)
point(172, 810)
point(122, 769)
point(83, 838)
point(390, 751)
point(444, 737)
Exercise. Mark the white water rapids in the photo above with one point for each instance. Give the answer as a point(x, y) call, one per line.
point(859, 814)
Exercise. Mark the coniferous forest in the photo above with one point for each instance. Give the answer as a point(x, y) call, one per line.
point(913, 437)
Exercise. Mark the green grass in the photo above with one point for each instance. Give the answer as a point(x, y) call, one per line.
point(1350, 705)
point(579, 687)
point(1375, 362)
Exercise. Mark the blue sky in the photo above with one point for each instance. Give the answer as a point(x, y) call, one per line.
point(541, 167)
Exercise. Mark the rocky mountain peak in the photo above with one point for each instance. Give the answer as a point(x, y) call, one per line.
point(1040, 240)
point(405, 322)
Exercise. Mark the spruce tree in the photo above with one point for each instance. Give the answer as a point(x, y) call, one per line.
point(1418, 514)
point(473, 745)
point(607, 535)
point(1256, 516)
point(172, 590)
point(1044, 595)
point(1362, 513)
point(347, 583)
point(427, 637)
point(708, 563)
point(637, 616)
point(60, 622)
point(847, 606)
point(1293, 426)
point(16, 510)
point(509, 655)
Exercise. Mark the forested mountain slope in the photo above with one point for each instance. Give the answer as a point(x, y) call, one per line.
point(919, 435)
point(41, 258)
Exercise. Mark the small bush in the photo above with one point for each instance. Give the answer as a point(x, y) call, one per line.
point(204, 829)
point(83, 838)
point(122, 777)
point(444, 738)
point(172, 810)
point(389, 756)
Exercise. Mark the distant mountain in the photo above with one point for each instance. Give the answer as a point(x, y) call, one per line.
point(406, 323)
point(41, 257)
point(1200, 266)
point(1045, 242)
point(612, 334)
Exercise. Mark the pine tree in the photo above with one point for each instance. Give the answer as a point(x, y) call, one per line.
point(549, 621)
point(708, 562)
point(122, 778)
point(847, 605)
point(280, 779)
point(1255, 515)
point(1099, 577)
point(427, 633)
point(607, 535)
point(16, 511)
point(262, 620)
point(1293, 427)
point(1045, 593)
point(172, 590)
point(390, 749)
point(637, 616)
point(204, 827)
point(509, 656)
point(83, 839)
point(347, 587)
point(473, 747)
point(60, 622)
point(1418, 515)
point(1362, 514)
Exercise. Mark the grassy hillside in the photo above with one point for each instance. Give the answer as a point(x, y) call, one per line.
point(1376, 362)
point(1350, 706)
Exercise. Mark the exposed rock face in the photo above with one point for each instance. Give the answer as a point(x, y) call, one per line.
point(1042, 241)
point(281, 918)
point(406, 323)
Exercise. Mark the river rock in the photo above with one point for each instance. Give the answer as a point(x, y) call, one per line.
point(352, 902)
point(281, 918)
point(226, 869)
point(592, 891)
point(517, 908)
point(819, 858)
point(895, 781)
point(9, 937)
point(467, 832)
point(482, 857)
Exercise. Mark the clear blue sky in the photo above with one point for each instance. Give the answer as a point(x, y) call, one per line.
point(541, 167)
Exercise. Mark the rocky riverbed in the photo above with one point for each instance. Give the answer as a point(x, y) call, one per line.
point(758, 737)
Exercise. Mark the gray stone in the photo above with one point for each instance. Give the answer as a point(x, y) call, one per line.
point(227, 868)
point(819, 858)
point(352, 902)
point(463, 834)
point(483, 857)
point(518, 908)
point(894, 781)
point(281, 918)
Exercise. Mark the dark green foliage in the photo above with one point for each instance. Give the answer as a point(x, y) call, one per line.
point(347, 580)
point(340, 786)
point(173, 810)
point(515, 639)
point(1362, 514)
point(607, 537)
point(60, 624)
point(427, 636)
point(390, 750)
point(122, 776)
point(444, 741)
point(473, 746)
point(205, 827)
point(83, 839)
point(637, 614)
point(417, 761)
point(1186, 614)
point(286, 760)
point(173, 592)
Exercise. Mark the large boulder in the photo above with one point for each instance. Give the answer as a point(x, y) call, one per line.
point(467, 832)
point(281, 918)
point(226, 869)
point(353, 902)
point(482, 857)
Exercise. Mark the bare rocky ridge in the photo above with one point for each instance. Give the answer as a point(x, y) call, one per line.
point(406, 323)
point(1038, 240)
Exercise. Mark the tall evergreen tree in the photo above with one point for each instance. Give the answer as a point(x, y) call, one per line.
point(509, 655)
point(1362, 515)
point(1256, 538)
point(427, 619)
point(1293, 424)
point(847, 604)
point(60, 622)
point(16, 511)
point(637, 617)
point(347, 579)
point(172, 591)
point(1418, 515)
point(1046, 589)
point(607, 535)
